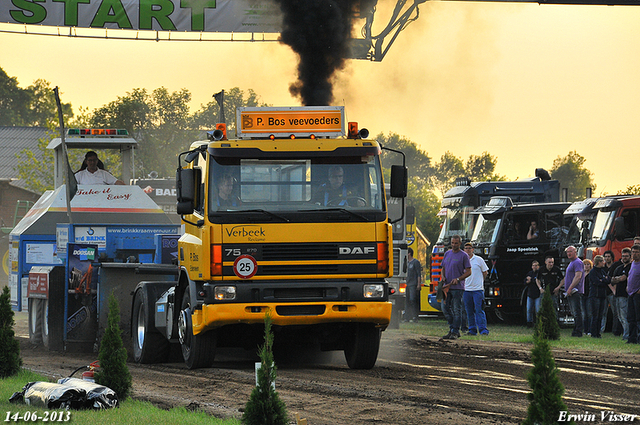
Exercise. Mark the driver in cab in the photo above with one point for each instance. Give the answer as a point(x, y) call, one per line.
point(335, 192)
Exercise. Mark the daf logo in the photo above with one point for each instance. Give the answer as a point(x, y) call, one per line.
point(345, 250)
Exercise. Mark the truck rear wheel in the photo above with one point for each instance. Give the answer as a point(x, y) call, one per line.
point(361, 351)
point(35, 321)
point(149, 345)
point(197, 350)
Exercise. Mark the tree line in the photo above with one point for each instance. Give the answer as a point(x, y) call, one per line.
point(162, 124)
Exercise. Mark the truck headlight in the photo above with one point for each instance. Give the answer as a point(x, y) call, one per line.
point(223, 293)
point(374, 290)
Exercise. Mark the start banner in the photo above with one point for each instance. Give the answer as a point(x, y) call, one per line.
point(157, 15)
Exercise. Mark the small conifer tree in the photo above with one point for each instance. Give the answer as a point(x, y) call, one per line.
point(545, 399)
point(547, 322)
point(113, 371)
point(10, 360)
point(264, 406)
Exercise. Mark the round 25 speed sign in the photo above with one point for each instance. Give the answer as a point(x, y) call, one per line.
point(245, 266)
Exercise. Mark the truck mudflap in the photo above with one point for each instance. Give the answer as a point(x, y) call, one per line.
point(212, 316)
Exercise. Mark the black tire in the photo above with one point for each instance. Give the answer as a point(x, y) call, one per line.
point(361, 351)
point(45, 323)
point(35, 321)
point(149, 345)
point(197, 350)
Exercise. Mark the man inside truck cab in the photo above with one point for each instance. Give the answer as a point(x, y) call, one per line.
point(533, 232)
point(335, 192)
point(92, 171)
point(226, 197)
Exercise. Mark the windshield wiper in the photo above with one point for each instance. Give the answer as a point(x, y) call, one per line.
point(285, 219)
point(354, 214)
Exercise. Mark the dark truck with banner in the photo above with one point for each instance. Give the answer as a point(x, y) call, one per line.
point(501, 239)
point(459, 201)
point(288, 219)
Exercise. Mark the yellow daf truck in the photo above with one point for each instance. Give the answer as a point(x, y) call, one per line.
point(288, 218)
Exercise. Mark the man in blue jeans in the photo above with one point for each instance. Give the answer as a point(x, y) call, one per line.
point(473, 297)
point(633, 289)
point(574, 284)
point(534, 292)
point(455, 269)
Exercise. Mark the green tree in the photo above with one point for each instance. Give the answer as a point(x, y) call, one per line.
point(447, 171)
point(630, 190)
point(547, 322)
point(209, 115)
point(477, 168)
point(427, 205)
point(10, 360)
point(35, 167)
point(264, 406)
point(43, 111)
point(573, 175)
point(33, 106)
point(420, 194)
point(418, 162)
point(480, 168)
point(159, 122)
point(545, 398)
point(14, 101)
point(113, 371)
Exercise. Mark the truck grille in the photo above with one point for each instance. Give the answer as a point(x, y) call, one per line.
point(299, 251)
point(300, 269)
point(310, 259)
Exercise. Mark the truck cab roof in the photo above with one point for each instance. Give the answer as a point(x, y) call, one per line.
point(500, 204)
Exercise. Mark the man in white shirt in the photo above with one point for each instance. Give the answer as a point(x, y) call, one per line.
point(473, 297)
point(91, 174)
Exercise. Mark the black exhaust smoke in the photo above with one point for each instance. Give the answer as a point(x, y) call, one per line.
point(319, 32)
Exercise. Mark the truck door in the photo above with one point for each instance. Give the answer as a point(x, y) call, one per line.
point(518, 251)
point(627, 226)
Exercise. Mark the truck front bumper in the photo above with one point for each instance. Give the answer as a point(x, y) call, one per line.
point(212, 316)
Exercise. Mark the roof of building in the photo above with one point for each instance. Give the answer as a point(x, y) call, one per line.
point(14, 140)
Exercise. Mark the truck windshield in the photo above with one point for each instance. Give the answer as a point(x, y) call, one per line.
point(458, 221)
point(579, 230)
point(602, 224)
point(295, 185)
point(486, 230)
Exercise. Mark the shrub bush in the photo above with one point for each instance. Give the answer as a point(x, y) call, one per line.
point(113, 371)
point(10, 360)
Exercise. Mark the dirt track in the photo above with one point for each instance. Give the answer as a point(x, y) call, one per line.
point(417, 380)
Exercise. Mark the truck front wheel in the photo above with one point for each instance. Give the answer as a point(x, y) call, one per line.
point(361, 350)
point(197, 350)
point(149, 345)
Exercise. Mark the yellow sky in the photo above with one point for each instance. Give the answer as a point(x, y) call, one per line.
point(525, 82)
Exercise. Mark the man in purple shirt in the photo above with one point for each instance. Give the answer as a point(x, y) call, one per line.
point(574, 284)
point(456, 267)
point(633, 289)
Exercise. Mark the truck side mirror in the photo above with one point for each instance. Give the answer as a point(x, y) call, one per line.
point(186, 190)
point(411, 214)
point(399, 181)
